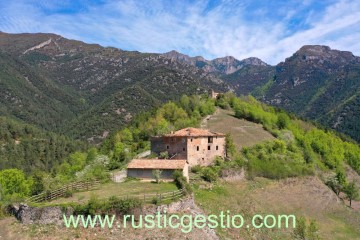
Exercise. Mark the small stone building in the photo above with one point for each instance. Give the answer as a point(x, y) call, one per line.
point(197, 146)
point(143, 168)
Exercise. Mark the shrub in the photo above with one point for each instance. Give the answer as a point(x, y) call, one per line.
point(196, 169)
point(155, 201)
point(122, 206)
point(209, 174)
point(68, 193)
point(181, 182)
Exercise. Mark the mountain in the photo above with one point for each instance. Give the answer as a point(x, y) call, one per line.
point(316, 82)
point(86, 90)
point(225, 65)
point(321, 84)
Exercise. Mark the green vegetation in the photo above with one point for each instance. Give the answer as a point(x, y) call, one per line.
point(13, 185)
point(181, 182)
point(299, 147)
point(157, 175)
point(134, 139)
point(113, 205)
point(304, 231)
point(30, 149)
point(351, 191)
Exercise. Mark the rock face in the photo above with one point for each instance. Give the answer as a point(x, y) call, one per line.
point(40, 215)
point(225, 65)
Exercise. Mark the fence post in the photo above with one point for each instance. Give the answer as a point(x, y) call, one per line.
point(173, 195)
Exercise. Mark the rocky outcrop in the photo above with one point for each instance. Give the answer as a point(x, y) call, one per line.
point(40, 215)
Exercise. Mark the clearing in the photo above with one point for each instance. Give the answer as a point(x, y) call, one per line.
point(243, 132)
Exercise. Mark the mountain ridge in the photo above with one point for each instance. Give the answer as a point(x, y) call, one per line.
point(73, 80)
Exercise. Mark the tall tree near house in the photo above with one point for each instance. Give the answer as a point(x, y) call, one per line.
point(157, 175)
point(351, 191)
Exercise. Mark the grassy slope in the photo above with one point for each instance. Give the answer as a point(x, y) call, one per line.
point(244, 133)
point(307, 197)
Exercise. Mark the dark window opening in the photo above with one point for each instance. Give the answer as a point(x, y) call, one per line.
point(167, 147)
point(210, 139)
point(217, 147)
point(208, 147)
point(184, 149)
point(197, 148)
point(191, 140)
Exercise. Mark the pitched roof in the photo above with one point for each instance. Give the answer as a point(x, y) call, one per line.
point(194, 132)
point(156, 164)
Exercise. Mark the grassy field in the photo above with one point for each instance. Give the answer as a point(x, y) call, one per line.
point(243, 132)
point(307, 197)
point(123, 189)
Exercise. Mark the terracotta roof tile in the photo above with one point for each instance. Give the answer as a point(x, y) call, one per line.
point(156, 164)
point(194, 132)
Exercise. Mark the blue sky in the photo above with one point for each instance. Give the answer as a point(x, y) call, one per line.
point(270, 30)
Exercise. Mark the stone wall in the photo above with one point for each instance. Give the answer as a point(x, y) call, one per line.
point(202, 152)
point(175, 146)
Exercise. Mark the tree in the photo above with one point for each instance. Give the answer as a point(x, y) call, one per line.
point(14, 183)
point(229, 146)
point(341, 177)
point(38, 183)
point(283, 121)
point(351, 191)
point(157, 175)
point(334, 184)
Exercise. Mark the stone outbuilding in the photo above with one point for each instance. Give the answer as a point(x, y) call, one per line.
point(197, 146)
point(143, 168)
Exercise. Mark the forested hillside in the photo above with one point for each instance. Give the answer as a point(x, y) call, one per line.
point(25, 147)
point(84, 90)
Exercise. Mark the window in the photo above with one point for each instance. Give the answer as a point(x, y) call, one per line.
point(184, 149)
point(191, 140)
point(217, 147)
point(167, 147)
point(210, 139)
point(208, 147)
point(197, 148)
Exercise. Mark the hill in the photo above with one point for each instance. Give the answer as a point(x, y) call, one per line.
point(85, 90)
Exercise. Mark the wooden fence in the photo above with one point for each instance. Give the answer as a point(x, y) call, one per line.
point(151, 198)
point(63, 191)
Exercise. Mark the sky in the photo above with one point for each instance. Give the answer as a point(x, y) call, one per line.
point(269, 30)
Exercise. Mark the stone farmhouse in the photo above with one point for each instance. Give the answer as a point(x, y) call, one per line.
point(186, 148)
point(197, 146)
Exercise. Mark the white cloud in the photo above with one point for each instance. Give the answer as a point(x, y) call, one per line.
point(228, 28)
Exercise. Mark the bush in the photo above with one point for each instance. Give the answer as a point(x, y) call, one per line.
point(113, 204)
point(196, 169)
point(181, 182)
point(155, 201)
point(68, 193)
point(209, 174)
